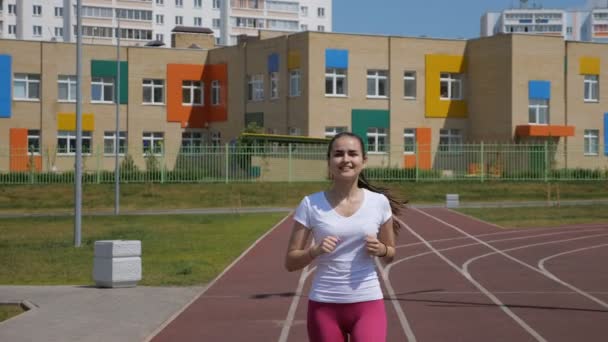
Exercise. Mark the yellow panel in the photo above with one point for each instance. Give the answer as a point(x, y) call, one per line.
point(589, 66)
point(436, 108)
point(293, 60)
point(67, 122)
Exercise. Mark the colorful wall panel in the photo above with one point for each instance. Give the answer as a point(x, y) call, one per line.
point(20, 159)
point(6, 88)
point(293, 60)
point(589, 66)
point(67, 122)
point(108, 69)
point(435, 107)
point(336, 59)
point(273, 62)
point(362, 119)
point(423, 146)
point(539, 90)
point(606, 134)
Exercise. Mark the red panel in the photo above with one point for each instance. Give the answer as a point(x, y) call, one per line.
point(544, 131)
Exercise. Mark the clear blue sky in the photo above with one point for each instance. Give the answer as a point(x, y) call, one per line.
point(433, 18)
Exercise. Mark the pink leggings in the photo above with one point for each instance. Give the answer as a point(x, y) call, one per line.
point(333, 322)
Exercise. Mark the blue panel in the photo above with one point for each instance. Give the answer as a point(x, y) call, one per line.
point(336, 59)
point(606, 134)
point(273, 63)
point(539, 90)
point(5, 86)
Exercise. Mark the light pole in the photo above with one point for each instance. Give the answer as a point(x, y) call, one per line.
point(78, 162)
point(117, 133)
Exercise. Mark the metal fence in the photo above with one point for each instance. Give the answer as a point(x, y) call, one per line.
point(302, 163)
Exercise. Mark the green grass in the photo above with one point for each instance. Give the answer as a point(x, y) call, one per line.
point(176, 250)
point(9, 310)
point(26, 198)
point(540, 216)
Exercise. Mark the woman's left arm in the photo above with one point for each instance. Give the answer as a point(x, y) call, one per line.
point(387, 238)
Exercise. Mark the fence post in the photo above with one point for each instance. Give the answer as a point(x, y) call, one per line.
point(289, 169)
point(99, 166)
point(482, 162)
point(546, 161)
point(226, 162)
point(417, 166)
point(163, 166)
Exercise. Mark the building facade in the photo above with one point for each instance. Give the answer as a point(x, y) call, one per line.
point(142, 21)
point(421, 95)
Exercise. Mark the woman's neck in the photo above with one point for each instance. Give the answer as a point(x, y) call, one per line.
point(344, 190)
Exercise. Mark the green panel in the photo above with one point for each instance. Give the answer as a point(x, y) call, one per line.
point(364, 118)
point(255, 117)
point(108, 69)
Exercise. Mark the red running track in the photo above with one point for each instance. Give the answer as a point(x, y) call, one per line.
point(455, 279)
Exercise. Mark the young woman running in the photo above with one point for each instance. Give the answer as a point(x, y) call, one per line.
point(351, 224)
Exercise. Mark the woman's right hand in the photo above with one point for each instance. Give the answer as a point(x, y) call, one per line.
point(327, 245)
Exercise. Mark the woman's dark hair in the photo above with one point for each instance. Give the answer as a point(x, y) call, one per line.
point(397, 205)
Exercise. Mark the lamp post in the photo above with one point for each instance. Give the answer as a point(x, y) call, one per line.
point(117, 133)
point(78, 162)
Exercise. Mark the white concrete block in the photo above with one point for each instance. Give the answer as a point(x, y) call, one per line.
point(452, 200)
point(117, 248)
point(117, 263)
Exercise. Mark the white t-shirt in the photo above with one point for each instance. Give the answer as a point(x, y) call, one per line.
point(348, 274)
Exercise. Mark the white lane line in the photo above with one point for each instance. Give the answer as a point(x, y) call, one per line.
point(494, 299)
point(541, 265)
point(405, 325)
point(168, 321)
point(294, 304)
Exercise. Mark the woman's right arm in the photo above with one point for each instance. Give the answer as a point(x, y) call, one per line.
point(299, 254)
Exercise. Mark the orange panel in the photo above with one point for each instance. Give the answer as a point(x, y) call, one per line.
point(423, 139)
point(409, 161)
point(18, 149)
point(544, 131)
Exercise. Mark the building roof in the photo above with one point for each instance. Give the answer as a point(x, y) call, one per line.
point(191, 29)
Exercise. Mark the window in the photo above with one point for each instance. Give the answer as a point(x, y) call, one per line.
point(12, 29)
point(59, 11)
point(153, 91)
point(303, 27)
point(160, 37)
point(33, 141)
point(335, 81)
point(450, 140)
point(153, 142)
point(255, 88)
point(37, 10)
point(538, 112)
point(409, 84)
point(66, 88)
point(331, 131)
point(12, 9)
point(450, 86)
point(295, 131)
point(409, 141)
point(376, 140)
point(321, 28)
point(304, 11)
point(215, 93)
point(37, 30)
point(192, 93)
point(294, 82)
point(160, 2)
point(198, 3)
point(58, 31)
point(198, 21)
point(274, 85)
point(179, 20)
point(591, 142)
point(66, 142)
point(179, 3)
point(102, 89)
point(591, 88)
point(216, 4)
point(160, 19)
point(216, 138)
point(215, 23)
point(321, 12)
point(26, 87)
point(191, 142)
point(377, 83)
point(109, 143)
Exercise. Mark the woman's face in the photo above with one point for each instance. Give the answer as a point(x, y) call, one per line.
point(346, 158)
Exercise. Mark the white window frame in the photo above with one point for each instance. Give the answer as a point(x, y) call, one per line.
point(321, 28)
point(154, 86)
point(160, 19)
point(409, 141)
point(192, 87)
point(374, 136)
point(160, 37)
point(156, 141)
point(192, 141)
point(70, 139)
point(450, 140)
point(321, 12)
point(376, 78)
point(454, 84)
point(69, 82)
point(216, 99)
point(105, 84)
point(331, 131)
point(591, 142)
point(59, 12)
point(33, 141)
point(409, 82)
point(255, 88)
point(216, 4)
point(179, 3)
point(216, 22)
point(27, 80)
point(58, 31)
point(304, 11)
point(536, 109)
point(37, 31)
point(333, 75)
point(37, 10)
point(591, 92)
point(12, 29)
point(110, 136)
point(274, 85)
point(197, 21)
point(216, 138)
point(160, 2)
point(179, 20)
point(295, 131)
point(12, 9)
point(198, 3)
point(295, 80)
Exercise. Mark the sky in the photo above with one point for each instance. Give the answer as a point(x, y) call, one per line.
point(431, 18)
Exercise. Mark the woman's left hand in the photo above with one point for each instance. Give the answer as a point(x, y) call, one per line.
point(374, 246)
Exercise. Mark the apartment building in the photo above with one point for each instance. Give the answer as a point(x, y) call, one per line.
point(422, 94)
point(142, 21)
